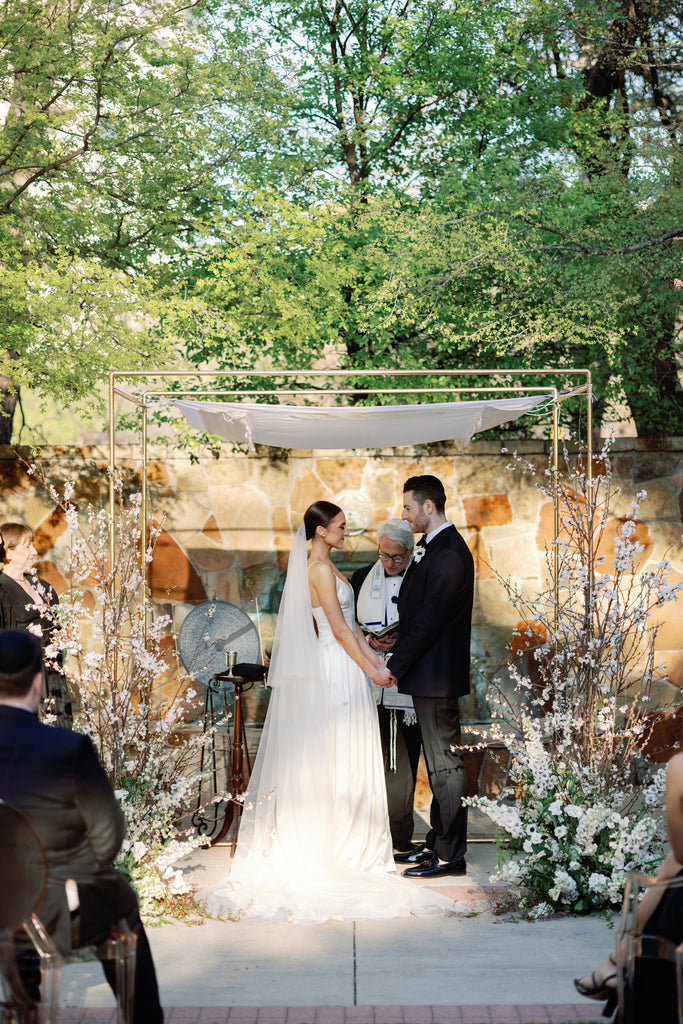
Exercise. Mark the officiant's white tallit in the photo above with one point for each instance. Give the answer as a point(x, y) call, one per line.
point(374, 609)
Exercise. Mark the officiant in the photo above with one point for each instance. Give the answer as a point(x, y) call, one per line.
point(376, 590)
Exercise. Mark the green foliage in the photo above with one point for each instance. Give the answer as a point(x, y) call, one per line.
point(467, 186)
point(117, 120)
point(365, 184)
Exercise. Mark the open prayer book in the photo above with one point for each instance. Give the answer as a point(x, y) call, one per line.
point(381, 632)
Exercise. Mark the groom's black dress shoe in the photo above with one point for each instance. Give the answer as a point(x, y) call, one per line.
point(416, 855)
point(433, 869)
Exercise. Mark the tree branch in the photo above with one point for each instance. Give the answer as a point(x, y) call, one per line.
point(576, 244)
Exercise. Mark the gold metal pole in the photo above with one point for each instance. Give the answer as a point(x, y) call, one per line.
point(112, 464)
point(589, 424)
point(556, 508)
point(146, 607)
point(279, 392)
point(144, 496)
point(590, 496)
point(213, 374)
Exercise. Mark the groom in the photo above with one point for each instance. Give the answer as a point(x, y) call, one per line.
point(431, 661)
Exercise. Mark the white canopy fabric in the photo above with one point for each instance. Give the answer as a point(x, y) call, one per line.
point(365, 426)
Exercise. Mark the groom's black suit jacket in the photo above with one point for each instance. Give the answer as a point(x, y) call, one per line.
point(55, 778)
point(432, 653)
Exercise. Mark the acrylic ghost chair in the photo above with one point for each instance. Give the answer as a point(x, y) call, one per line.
point(649, 966)
point(23, 884)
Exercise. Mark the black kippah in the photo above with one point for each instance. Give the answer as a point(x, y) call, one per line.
point(18, 651)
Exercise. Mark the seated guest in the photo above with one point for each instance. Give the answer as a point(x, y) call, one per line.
point(54, 777)
point(660, 913)
point(26, 600)
point(376, 590)
point(4, 624)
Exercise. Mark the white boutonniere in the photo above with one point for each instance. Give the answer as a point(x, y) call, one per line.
point(419, 553)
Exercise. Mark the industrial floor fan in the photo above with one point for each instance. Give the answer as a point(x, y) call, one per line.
point(214, 639)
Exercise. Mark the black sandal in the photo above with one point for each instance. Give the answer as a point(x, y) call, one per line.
point(600, 991)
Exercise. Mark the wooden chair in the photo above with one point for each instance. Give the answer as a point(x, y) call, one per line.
point(649, 966)
point(23, 879)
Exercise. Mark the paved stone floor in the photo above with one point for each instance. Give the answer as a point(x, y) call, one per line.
point(470, 968)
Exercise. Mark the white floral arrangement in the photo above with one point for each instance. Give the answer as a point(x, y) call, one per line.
point(564, 846)
point(581, 806)
point(116, 657)
point(163, 890)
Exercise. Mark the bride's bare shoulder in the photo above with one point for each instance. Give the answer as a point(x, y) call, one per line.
point(320, 569)
point(321, 577)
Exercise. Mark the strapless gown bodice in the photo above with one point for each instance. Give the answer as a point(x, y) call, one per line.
point(348, 607)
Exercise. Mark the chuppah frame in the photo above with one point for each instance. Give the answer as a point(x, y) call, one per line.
point(152, 397)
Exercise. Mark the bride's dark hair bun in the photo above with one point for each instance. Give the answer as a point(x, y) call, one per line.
point(320, 513)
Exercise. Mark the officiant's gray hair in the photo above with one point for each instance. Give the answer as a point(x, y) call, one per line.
point(398, 531)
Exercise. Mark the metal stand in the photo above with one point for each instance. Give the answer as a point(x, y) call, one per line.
point(213, 827)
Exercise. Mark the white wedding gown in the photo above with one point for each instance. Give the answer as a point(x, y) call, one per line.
point(314, 840)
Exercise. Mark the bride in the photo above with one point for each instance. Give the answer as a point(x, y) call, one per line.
point(314, 840)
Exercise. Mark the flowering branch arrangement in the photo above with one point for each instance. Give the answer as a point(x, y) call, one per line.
point(581, 807)
point(116, 655)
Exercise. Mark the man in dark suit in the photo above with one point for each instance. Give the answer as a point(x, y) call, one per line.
point(431, 661)
point(376, 589)
point(55, 778)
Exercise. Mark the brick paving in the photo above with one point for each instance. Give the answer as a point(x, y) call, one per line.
point(568, 1013)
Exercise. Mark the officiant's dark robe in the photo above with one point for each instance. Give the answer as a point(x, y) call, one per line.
point(400, 781)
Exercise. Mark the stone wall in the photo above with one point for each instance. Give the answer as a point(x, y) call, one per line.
point(228, 523)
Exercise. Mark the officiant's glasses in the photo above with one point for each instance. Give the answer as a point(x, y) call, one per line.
point(396, 559)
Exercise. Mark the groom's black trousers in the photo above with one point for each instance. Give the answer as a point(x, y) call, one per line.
point(439, 721)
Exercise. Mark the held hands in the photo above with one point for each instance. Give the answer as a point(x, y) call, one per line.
point(383, 677)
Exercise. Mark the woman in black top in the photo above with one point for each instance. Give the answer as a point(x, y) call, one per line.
point(653, 997)
point(25, 600)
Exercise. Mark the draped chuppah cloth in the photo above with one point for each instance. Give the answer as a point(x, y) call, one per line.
point(357, 426)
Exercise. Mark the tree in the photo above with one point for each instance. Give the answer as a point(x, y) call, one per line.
point(634, 72)
point(489, 186)
point(117, 120)
point(381, 89)
point(608, 227)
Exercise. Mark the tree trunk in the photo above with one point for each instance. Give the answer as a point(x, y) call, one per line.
point(653, 389)
point(8, 403)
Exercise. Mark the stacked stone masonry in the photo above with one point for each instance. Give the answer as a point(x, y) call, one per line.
point(228, 522)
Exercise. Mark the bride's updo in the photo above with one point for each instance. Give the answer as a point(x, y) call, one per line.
point(320, 513)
